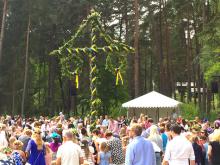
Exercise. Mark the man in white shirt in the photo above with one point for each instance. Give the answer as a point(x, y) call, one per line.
point(179, 150)
point(69, 153)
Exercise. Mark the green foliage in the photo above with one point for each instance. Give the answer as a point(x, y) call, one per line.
point(189, 111)
point(213, 70)
point(210, 38)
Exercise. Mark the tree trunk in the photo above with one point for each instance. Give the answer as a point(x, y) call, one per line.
point(162, 70)
point(130, 68)
point(169, 78)
point(197, 67)
point(209, 98)
point(3, 27)
point(62, 92)
point(13, 94)
point(188, 59)
point(51, 86)
point(26, 67)
point(204, 97)
point(39, 85)
point(52, 64)
point(136, 46)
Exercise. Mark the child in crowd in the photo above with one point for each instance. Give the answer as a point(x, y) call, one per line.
point(104, 156)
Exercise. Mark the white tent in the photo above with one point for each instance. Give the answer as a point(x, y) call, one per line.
point(153, 104)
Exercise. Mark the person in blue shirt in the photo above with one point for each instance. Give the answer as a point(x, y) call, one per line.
point(164, 138)
point(105, 122)
point(140, 151)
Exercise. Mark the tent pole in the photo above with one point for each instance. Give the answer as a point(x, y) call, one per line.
point(158, 114)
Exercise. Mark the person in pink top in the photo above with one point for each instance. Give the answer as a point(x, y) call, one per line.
point(113, 126)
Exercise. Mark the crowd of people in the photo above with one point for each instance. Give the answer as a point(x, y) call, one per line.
point(139, 141)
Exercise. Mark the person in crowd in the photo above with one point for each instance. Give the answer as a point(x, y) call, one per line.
point(167, 131)
point(11, 141)
point(104, 155)
point(123, 121)
point(25, 137)
point(55, 144)
point(35, 150)
point(69, 152)
point(146, 132)
point(61, 117)
point(164, 138)
point(204, 145)
point(105, 121)
point(16, 127)
point(18, 155)
point(141, 120)
point(113, 126)
point(3, 138)
point(158, 153)
point(179, 150)
point(45, 127)
point(48, 154)
point(197, 150)
point(115, 147)
point(214, 149)
point(157, 139)
point(155, 136)
point(122, 133)
point(101, 119)
point(87, 153)
point(125, 142)
point(83, 135)
point(140, 151)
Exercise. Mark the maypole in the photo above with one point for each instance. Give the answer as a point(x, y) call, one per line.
point(71, 58)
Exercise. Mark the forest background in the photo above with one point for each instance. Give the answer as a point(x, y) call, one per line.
point(177, 47)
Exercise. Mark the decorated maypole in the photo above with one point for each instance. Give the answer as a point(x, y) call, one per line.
point(71, 57)
point(94, 100)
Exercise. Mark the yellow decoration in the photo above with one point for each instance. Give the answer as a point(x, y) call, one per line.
point(93, 58)
point(84, 50)
point(93, 103)
point(104, 49)
point(119, 77)
point(126, 48)
point(93, 69)
point(93, 91)
point(77, 50)
point(110, 48)
point(77, 80)
point(93, 79)
point(93, 38)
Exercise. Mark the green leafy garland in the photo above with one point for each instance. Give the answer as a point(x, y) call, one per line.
point(71, 58)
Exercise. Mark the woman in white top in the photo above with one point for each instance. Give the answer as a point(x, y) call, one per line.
point(157, 140)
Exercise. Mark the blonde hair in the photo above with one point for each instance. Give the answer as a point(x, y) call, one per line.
point(104, 147)
point(36, 136)
point(17, 145)
point(153, 132)
point(216, 136)
point(122, 132)
point(28, 132)
point(12, 140)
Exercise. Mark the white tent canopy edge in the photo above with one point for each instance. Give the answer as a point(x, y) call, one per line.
point(153, 104)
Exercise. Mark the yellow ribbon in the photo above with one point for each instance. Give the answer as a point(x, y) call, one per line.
point(93, 91)
point(119, 77)
point(77, 80)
